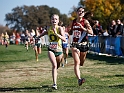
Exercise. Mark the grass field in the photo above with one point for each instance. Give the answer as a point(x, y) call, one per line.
point(19, 72)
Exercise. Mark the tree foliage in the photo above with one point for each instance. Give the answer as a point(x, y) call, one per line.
point(3, 29)
point(104, 10)
point(30, 17)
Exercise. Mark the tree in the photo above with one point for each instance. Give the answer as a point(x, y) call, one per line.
point(27, 17)
point(30, 17)
point(64, 18)
point(3, 29)
point(52, 10)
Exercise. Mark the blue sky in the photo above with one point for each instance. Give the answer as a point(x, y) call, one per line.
point(64, 6)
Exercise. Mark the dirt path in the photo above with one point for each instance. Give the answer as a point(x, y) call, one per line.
point(17, 73)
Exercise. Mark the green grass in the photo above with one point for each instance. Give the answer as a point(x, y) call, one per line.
point(21, 73)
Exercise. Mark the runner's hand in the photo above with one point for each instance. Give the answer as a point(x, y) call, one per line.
point(54, 29)
point(81, 26)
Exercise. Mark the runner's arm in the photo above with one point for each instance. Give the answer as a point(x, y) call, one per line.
point(88, 27)
point(62, 33)
point(44, 33)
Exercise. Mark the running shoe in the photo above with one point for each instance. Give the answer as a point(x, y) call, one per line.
point(66, 61)
point(37, 60)
point(54, 86)
point(62, 65)
point(81, 81)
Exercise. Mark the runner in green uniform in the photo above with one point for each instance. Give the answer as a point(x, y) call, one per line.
point(56, 36)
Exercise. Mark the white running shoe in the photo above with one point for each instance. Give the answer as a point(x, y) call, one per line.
point(54, 86)
point(37, 60)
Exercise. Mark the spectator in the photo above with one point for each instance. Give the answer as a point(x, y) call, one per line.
point(119, 30)
point(112, 28)
point(97, 28)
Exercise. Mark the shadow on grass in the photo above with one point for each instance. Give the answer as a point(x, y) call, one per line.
point(10, 89)
point(19, 89)
point(112, 76)
point(44, 88)
point(108, 59)
point(14, 60)
point(119, 75)
point(121, 86)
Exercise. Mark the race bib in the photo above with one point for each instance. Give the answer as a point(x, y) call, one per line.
point(53, 45)
point(76, 34)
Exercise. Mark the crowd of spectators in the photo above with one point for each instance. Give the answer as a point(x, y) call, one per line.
point(114, 29)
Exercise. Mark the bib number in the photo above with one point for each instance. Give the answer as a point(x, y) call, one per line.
point(76, 34)
point(53, 45)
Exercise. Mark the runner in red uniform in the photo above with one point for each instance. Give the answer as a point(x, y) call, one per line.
point(80, 28)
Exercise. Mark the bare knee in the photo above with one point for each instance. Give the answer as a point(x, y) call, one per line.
point(54, 66)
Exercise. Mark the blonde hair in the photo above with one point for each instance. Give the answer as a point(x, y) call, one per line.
point(55, 15)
